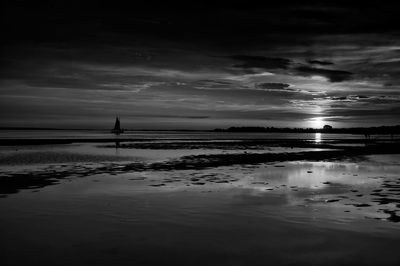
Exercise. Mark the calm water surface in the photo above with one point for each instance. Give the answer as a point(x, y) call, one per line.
point(100, 134)
point(278, 213)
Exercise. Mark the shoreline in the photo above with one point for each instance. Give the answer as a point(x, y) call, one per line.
point(13, 182)
point(47, 141)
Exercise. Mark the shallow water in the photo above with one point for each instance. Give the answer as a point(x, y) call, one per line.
point(96, 152)
point(100, 134)
point(337, 212)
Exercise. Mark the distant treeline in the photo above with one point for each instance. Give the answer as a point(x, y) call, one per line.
point(354, 130)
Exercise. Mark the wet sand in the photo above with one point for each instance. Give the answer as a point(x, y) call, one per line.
point(201, 202)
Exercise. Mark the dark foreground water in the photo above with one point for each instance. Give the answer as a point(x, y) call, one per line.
point(199, 203)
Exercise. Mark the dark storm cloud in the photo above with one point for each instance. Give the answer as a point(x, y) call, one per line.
point(274, 86)
point(226, 25)
point(377, 115)
point(267, 63)
point(228, 61)
point(350, 98)
point(332, 75)
point(320, 62)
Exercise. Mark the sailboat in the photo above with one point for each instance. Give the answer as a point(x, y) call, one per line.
point(117, 127)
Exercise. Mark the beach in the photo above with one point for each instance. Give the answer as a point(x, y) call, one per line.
point(199, 199)
point(209, 134)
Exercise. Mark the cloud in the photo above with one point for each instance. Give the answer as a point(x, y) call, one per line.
point(351, 105)
point(79, 79)
point(213, 84)
point(320, 62)
point(332, 75)
point(274, 86)
point(268, 63)
point(373, 99)
point(252, 64)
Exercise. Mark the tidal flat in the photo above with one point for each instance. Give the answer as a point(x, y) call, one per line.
point(200, 202)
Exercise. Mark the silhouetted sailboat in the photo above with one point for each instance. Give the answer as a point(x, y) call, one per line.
point(117, 127)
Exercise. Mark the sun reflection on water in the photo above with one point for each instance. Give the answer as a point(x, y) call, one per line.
point(317, 137)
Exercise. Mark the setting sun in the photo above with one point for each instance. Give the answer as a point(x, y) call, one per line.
point(317, 122)
point(200, 133)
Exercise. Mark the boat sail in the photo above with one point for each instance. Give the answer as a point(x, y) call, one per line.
point(117, 127)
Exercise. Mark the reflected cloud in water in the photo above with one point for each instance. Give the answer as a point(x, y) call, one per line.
point(314, 175)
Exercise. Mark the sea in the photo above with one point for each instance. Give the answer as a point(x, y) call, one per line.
point(209, 135)
point(195, 198)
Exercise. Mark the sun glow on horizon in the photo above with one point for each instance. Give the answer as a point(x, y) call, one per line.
point(317, 122)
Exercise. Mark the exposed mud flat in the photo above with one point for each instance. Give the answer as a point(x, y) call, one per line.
point(216, 170)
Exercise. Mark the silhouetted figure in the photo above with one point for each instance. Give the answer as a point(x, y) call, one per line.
point(117, 127)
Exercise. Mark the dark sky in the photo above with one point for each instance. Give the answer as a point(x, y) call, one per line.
point(199, 66)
